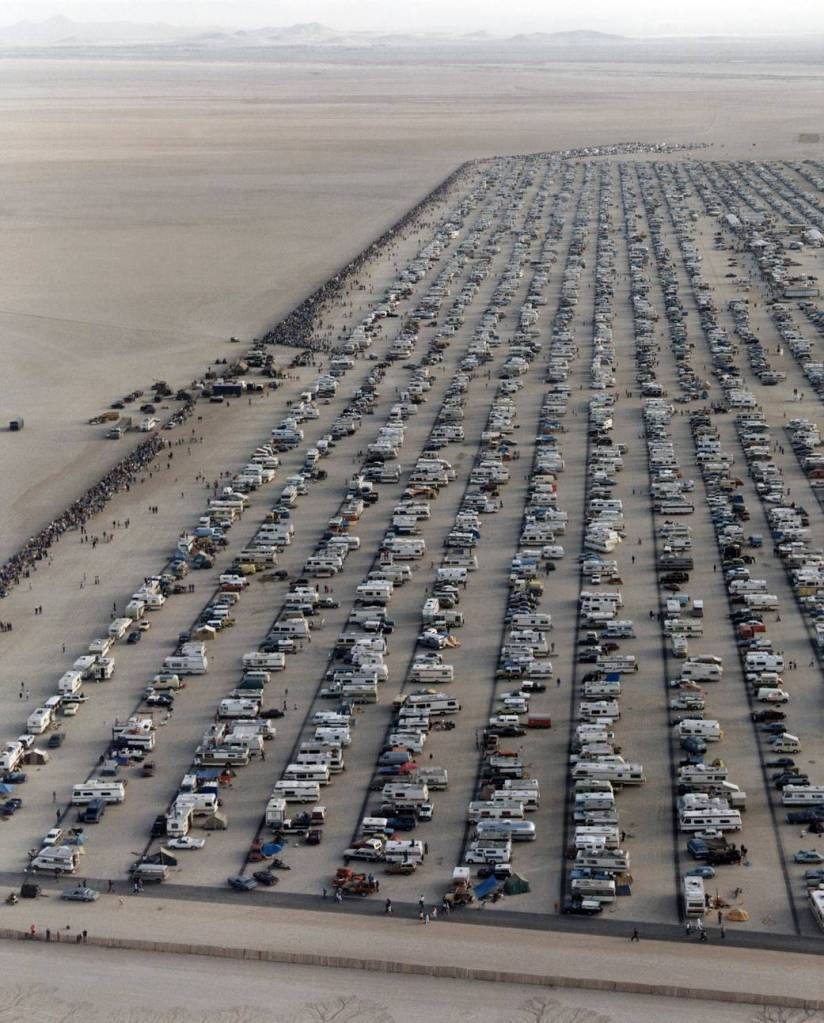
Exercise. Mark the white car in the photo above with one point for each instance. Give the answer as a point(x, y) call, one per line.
point(54, 837)
point(186, 842)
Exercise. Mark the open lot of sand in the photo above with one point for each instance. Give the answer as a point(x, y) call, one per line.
point(67, 982)
point(153, 988)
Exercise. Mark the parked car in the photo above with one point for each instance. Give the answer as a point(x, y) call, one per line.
point(698, 849)
point(186, 842)
point(807, 815)
point(706, 872)
point(80, 894)
point(241, 883)
point(808, 856)
point(768, 715)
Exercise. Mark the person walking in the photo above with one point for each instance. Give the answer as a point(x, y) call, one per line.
point(635, 935)
point(387, 907)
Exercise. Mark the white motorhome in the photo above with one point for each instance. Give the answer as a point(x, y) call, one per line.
point(295, 791)
point(38, 721)
point(618, 773)
point(695, 903)
point(307, 772)
point(708, 730)
point(615, 861)
point(487, 810)
point(710, 817)
point(57, 859)
point(108, 791)
point(275, 661)
point(186, 664)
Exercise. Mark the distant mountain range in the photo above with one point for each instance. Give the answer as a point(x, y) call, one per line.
point(63, 32)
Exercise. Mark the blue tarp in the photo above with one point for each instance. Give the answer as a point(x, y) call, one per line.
point(209, 773)
point(485, 887)
point(6, 790)
point(271, 848)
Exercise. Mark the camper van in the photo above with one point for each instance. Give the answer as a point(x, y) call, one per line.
point(596, 889)
point(307, 772)
point(697, 671)
point(618, 773)
point(108, 791)
point(785, 743)
point(803, 795)
point(186, 664)
point(489, 810)
point(403, 851)
point(517, 830)
point(612, 861)
point(714, 817)
point(708, 730)
point(38, 721)
point(222, 756)
point(295, 791)
point(57, 859)
point(437, 704)
point(695, 903)
point(528, 799)
point(268, 662)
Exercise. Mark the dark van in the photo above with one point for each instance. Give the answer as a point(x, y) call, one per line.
point(93, 811)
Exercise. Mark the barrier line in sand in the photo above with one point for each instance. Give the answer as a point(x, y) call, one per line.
point(439, 970)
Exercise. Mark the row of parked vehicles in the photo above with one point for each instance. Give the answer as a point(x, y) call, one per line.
point(750, 601)
point(708, 805)
point(243, 722)
point(418, 713)
point(598, 770)
point(358, 667)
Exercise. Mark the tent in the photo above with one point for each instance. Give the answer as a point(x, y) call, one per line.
point(486, 887)
point(516, 885)
point(162, 855)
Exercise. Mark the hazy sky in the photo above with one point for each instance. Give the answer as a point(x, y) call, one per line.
point(633, 17)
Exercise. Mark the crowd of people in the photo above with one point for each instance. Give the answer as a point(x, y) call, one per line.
point(298, 327)
point(119, 477)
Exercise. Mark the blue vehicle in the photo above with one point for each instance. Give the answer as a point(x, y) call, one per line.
point(698, 848)
point(693, 744)
point(707, 873)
